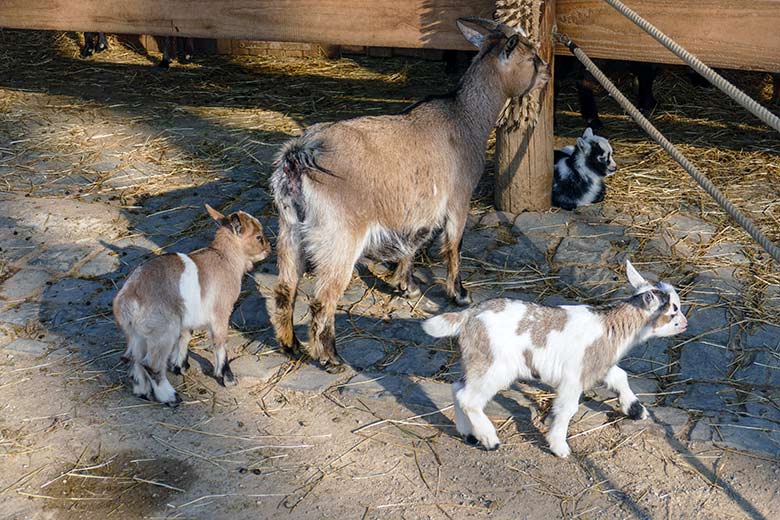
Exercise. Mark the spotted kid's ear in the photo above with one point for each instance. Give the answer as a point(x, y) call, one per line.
point(649, 299)
point(634, 278)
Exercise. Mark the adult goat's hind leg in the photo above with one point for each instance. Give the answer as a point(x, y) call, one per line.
point(333, 263)
point(289, 259)
point(452, 241)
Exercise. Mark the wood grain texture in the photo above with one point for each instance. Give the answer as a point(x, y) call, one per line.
point(723, 33)
point(741, 34)
point(382, 23)
point(737, 34)
point(524, 156)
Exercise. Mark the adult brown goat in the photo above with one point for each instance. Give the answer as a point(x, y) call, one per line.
point(379, 186)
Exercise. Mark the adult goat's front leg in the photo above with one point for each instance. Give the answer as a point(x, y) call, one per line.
point(403, 278)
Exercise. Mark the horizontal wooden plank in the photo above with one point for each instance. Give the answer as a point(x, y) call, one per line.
point(737, 34)
point(724, 33)
point(381, 23)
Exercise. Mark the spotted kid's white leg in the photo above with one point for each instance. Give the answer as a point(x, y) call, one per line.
point(564, 407)
point(617, 381)
point(462, 423)
point(472, 400)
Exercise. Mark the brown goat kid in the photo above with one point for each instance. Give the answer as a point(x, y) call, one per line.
point(381, 186)
point(166, 298)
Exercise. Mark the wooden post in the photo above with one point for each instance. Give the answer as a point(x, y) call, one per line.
point(524, 156)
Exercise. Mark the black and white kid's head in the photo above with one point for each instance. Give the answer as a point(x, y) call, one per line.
point(596, 153)
point(661, 301)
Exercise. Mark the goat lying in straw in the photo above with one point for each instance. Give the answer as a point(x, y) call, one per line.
point(380, 186)
point(569, 347)
point(164, 299)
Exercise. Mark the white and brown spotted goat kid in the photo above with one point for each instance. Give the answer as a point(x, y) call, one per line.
point(380, 186)
point(569, 347)
point(166, 298)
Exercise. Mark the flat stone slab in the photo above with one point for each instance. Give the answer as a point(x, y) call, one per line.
point(763, 370)
point(375, 385)
point(587, 251)
point(419, 362)
point(260, 368)
point(704, 362)
point(24, 284)
point(105, 262)
point(60, 258)
point(361, 353)
point(312, 378)
point(22, 314)
point(28, 346)
point(704, 397)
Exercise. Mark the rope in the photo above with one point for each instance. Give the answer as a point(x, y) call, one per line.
point(658, 137)
point(713, 77)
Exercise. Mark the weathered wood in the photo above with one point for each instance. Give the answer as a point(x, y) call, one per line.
point(382, 23)
point(736, 34)
point(723, 33)
point(524, 156)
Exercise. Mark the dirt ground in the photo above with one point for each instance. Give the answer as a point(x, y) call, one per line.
point(126, 154)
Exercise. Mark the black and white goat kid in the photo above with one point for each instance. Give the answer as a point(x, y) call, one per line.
point(580, 171)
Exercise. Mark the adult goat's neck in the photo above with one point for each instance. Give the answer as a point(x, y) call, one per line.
point(480, 99)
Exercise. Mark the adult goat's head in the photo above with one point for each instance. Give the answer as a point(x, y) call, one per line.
point(511, 54)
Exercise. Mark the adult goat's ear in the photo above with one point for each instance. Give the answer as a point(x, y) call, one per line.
point(470, 32)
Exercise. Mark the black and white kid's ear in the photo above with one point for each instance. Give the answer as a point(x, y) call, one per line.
point(474, 36)
point(634, 278)
point(588, 133)
point(582, 145)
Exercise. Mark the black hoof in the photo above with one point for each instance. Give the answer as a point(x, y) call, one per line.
point(411, 293)
point(333, 364)
point(175, 402)
point(471, 440)
point(86, 53)
point(463, 299)
point(227, 379)
point(101, 47)
point(635, 411)
point(164, 64)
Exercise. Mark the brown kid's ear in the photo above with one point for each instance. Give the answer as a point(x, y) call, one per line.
point(235, 223)
point(216, 215)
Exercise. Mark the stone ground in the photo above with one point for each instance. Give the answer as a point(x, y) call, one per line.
point(109, 165)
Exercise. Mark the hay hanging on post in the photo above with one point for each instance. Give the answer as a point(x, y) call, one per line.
point(527, 15)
